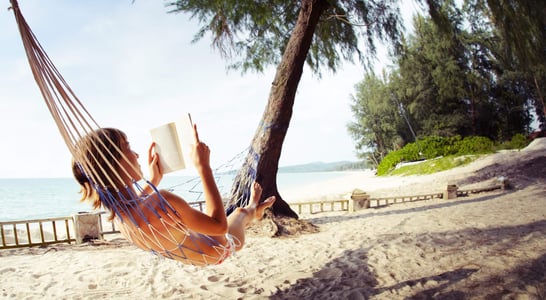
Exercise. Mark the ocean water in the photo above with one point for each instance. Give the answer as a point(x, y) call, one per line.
point(37, 198)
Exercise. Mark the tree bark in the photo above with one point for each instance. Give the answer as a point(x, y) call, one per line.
point(540, 97)
point(262, 161)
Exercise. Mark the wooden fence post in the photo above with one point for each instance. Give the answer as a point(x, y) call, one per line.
point(504, 183)
point(451, 192)
point(87, 226)
point(359, 200)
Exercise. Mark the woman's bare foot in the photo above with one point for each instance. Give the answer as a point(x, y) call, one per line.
point(261, 208)
point(255, 195)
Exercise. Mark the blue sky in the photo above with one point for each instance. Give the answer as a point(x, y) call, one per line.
point(134, 67)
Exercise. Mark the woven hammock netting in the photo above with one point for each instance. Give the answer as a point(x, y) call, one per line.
point(162, 231)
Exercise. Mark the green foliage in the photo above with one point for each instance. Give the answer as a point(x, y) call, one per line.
point(518, 141)
point(432, 83)
point(411, 152)
point(520, 24)
point(435, 165)
point(433, 147)
point(389, 162)
point(452, 82)
point(475, 145)
point(254, 34)
point(375, 118)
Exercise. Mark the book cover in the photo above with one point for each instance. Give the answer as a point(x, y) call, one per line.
point(173, 142)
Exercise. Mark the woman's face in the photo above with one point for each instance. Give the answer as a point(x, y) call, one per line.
point(133, 167)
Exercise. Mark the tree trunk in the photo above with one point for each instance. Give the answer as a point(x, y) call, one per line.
point(540, 97)
point(473, 111)
point(262, 161)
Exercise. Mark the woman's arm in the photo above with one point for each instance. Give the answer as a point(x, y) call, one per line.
point(194, 219)
point(214, 221)
point(213, 199)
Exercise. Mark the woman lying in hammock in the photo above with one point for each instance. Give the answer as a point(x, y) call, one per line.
point(158, 220)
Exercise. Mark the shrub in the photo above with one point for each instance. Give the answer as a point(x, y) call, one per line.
point(475, 145)
point(388, 162)
point(519, 141)
point(435, 146)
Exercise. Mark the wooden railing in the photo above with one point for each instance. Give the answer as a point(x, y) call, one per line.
point(463, 193)
point(40, 232)
point(321, 206)
point(384, 201)
point(104, 222)
point(27, 233)
point(16, 234)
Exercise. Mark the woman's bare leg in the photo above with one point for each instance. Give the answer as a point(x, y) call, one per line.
point(243, 216)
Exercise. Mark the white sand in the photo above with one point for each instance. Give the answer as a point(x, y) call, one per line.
point(486, 246)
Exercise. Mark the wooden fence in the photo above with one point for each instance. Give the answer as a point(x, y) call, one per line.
point(39, 232)
point(320, 206)
point(16, 234)
point(384, 201)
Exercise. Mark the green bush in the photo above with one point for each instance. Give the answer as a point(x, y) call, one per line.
point(388, 162)
point(411, 151)
point(435, 146)
point(519, 141)
point(475, 145)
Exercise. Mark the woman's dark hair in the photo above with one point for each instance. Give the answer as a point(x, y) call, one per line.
point(98, 152)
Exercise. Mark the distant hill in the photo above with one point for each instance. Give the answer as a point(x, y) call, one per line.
point(324, 167)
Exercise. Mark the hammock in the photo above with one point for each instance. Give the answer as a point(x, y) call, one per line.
point(151, 225)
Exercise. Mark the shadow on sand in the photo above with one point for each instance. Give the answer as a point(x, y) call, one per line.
point(351, 276)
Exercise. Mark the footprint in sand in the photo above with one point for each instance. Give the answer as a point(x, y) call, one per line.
point(6, 270)
point(236, 284)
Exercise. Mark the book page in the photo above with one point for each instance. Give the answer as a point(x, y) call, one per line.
point(167, 145)
point(186, 138)
point(173, 144)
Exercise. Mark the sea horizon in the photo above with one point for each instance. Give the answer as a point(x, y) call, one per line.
point(39, 198)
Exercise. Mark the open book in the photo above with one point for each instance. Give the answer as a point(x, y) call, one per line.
point(173, 144)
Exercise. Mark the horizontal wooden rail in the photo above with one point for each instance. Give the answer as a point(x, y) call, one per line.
point(321, 206)
point(462, 193)
point(384, 201)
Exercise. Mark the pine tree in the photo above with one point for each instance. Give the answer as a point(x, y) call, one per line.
point(288, 34)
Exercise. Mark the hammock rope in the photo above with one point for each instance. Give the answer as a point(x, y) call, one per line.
point(167, 236)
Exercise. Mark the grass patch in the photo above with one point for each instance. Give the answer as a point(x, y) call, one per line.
point(434, 165)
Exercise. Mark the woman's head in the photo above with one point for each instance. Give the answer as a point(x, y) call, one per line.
point(104, 158)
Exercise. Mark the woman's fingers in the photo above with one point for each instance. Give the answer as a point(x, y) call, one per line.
point(153, 157)
point(195, 134)
point(156, 174)
point(151, 152)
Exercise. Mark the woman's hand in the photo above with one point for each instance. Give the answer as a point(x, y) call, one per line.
point(156, 173)
point(200, 153)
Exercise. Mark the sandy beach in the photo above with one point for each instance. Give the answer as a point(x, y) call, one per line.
point(489, 245)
